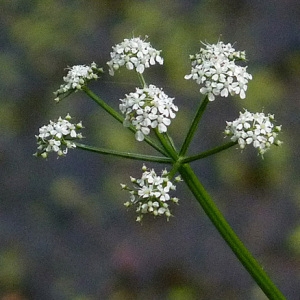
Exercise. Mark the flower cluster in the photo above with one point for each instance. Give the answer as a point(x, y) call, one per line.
point(76, 78)
point(151, 193)
point(148, 108)
point(215, 68)
point(57, 137)
point(254, 128)
point(134, 54)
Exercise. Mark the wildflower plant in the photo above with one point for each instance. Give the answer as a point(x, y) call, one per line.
point(215, 67)
point(135, 54)
point(220, 71)
point(151, 193)
point(58, 137)
point(254, 128)
point(76, 78)
point(148, 108)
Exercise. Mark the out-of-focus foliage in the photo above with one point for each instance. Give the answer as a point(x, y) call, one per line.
point(64, 233)
point(12, 268)
point(265, 91)
point(49, 30)
point(294, 240)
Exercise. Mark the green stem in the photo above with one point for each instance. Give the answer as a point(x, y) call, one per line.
point(207, 153)
point(142, 80)
point(170, 140)
point(167, 145)
point(242, 253)
point(119, 117)
point(193, 126)
point(136, 156)
point(103, 104)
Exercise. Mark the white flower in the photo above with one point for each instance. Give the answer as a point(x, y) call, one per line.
point(134, 54)
point(215, 68)
point(57, 137)
point(76, 78)
point(148, 108)
point(254, 128)
point(151, 193)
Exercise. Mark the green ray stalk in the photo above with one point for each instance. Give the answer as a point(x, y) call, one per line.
point(242, 253)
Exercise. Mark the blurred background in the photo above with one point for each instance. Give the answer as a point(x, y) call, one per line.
point(64, 232)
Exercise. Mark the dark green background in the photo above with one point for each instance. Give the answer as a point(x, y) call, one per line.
point(64, 232)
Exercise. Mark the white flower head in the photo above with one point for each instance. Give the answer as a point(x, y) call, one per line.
point(215, 68)
point(134, 54)
point(151, 194)
point(148, 108)
point(57, 137)
point(77, 77)
point(257, 129)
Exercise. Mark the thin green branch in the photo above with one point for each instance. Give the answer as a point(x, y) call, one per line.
point(141, 79)
point(193, 126)
point(170, 140)
point(103, 104)
point(242, 253)
point(119, 117)
point(167, 145)
point(208, 152)
point(129, 155)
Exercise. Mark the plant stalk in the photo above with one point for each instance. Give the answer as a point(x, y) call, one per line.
point(242, 253)
point(193, 127)
point(207, 153)
point(136, 156)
